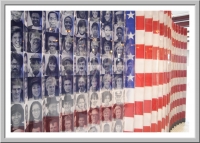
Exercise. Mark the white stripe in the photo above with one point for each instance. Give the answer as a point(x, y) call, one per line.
point(139, 36)
point(139, 13)
point(161, 16)
point(148, 14)
point(138, 121)
point(148, 38)
point(163, 112)
point(148, 66)
point(147, 119)
point(155, 15)
point(128, 123)
point(161, 41)
point(160, 66)
point(160, 94)
point(164, 89)
point(155, 66)
point(147, 93)
point(139, 65)
point(129, 95)
point(154, 91)
point(154, 117)
point(155, 40)
point(139, 94)
point(159, 114)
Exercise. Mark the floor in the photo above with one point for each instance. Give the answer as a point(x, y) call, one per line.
point(183, 127)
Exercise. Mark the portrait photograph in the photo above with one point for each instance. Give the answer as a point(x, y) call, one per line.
point(118, 81)
point(51, 86)
point(94, 83)
point(106, 82)
point(119, 18)
point(17, 90)
point(52, 43)
point(107, 98)
point(68, 104)
point(95, 48)
point(94, 128)
point(94, 66)
point(34, 41)
point(118, 96)
point(66, 66)
point(82, 15)
point(118, 126)
point(52, 106)
point(67, 25)
point(67, 45)
point(106, 127)
point(94, 29)
point(17, 18)
point(81, 28)
point(94, 100)
point(81, 47)
point(107, 17)
point(107, 32)
point(81, 103)
point(34, 88)
point(95, 16)
point(52, 65)
point(118, 50)
point(17, 39)
point(52, 124)
point(118, 65)
point(81, 121)
point(118, 111)
point(68, 123)
point(118, 34)
point(35, 20)
point(81, 65)
point(94, 116)
point(106, 50)
point(16, 65)
point(52, 21)
point(106, 65)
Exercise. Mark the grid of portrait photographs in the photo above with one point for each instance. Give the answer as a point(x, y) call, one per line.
point(71, 71)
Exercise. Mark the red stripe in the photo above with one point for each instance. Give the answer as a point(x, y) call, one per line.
point(137, 130)
point(154, 127)
point(148, 79)
point(161, 29)
point(146, 129)
point(147, 106)
point(139, 79)
point(160, 78)
point(148, 24)
point(138, 108)
point(155, 51)
point(148, 52)
point(155, 27)
point(160, 102)
point(154, 104)
point(159, 126)
point(139, 51)
point(129, 110)
point(139, 22)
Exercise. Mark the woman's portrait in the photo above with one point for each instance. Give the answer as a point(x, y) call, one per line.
point(118, 126)
point(119, 50)
point(94, 100)
point(106, 17)
point(67, 46)
point(106, 98)
point(119, 81)
point(107, 49)
point(17, 117)
point(35, 115)
point(16, 39)
point(52, 68)
point(81, 103)
point(94, 83)
point(106, 83)
point(35, 89)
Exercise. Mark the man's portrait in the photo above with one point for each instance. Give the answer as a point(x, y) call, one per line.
point(16, 17)
point(119, 18)
point(67, 84)
point(16, 65)
point(67, 123)
point(35, 20)
point(34, 41)
point(67, 63)
point(16, 90)
point(52, 106)
point(81, 84)
point(51, 86)
point(52, 19)
point(119, 34)
point(94, 66)
point(81, 65)
point(68, 24)
point(52, 43)
point(118, 97)
point(94, 116)
point(35, 65)
point(67, 105)
point(94, 30)
point(81, 121)
point(94, 48)
point(106, 66)
point(52, 124)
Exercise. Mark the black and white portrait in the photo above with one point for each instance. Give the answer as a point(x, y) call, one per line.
point(81, 47)
point(67, 23)
point(52, 67)
point(118, 66)
point(17, 90)
point(106, 82)
point(17, 39)
point(67, 84)
point(67, 123)
point(94, 82)
point(81, 102)
point(94, 48)
point(95, 100)
point(81, 121)
point(34, 65)
point(52, 43)
point(17, 118)
point(94, 128)
point(118, 126)
point(119, 50)
point(51, 85)
point(106, 65)
point(16, 18)
point(119, 34)
point(118, 81)
point(67, 46)
point(106, 48)
point(81, 28)
point(52, 105)
point(35, 20)
point(67, 66)
point(106, 17)
point(106, 127)
point(130, 68)
point(52, 21)
point(16, 65)
point(67, 105)
point(34, 88)
point(119, 18)
point(81, 84)
point(81, 66)
point(106, 98)
point(95, 16)
point(94, 66)
point(94, 29)
point(107, 32)
point(82, 14)
point(34, 41)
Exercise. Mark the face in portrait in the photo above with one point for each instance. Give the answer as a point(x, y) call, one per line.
point(37, 127)
point(107, 17)
point(68, 122)
point(16, 18)
point(130, 67)
point(118, 97)
point(119, 81)
point(68, 23)
point(94, 16)
point(81, 84)
point(81, 104)
point(119, 34)
point(52, 68)
point(106, 128)
point(107, 80)
point(68, 66)
point(17, 117)
point(35, 20)
point(81, 47)
point(107, 66)
point(52, 23)
point(94, 64)
point(35, 112)
point(118, 112)
point(107, 47)
point(35, 42)
point(54, 126)
point(94, 116)
point(106, 98)
point(94, 100)
point(81, 65)
point(35, 88)
point(108, 32)
point(67, 104)
point(35, 64)
point(16, 39)
point(92, 129)
point(119, 50)
point(52, 106)
point(119, 18)
point(82, 14)
point(16, 90)
point(94, 83)
point(118, 126)
point(94, 30)
point(52, 44)
point(119, 63)
point(94, 48)
point(16, 65)
point(107, 114)
point(81, 29)
point(51, 86)
point(67, 85)
point(67, 46)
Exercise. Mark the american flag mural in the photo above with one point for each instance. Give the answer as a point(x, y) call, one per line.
point(97, 71)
